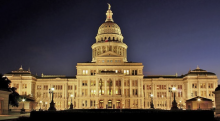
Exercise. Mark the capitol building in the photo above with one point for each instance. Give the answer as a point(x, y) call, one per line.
point(110, 81)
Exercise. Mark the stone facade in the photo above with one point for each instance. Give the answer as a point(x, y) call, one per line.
point(4, 99)
point(110, 81)
point(199, 103)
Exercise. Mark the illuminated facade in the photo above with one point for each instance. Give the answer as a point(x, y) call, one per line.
point(110, 81)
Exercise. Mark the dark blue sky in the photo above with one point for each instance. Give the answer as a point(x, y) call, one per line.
point(167, 36)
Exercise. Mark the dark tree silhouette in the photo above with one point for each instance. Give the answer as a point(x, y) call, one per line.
point(14, 97)
point(4, 85)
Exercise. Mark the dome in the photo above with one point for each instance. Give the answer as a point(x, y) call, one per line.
point(109, 28)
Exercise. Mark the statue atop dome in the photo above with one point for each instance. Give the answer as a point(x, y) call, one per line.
point(109, 6)
point(109, 14)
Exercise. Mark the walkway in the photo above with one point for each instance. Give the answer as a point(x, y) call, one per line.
point(13, 115)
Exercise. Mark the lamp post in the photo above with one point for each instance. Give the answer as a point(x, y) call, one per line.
point(151, 102)
point(40, 106)
point(23, 110)
point(199, 103)
point(52, 104)
point(180, 104)
point(174, 104)
point(71, 105)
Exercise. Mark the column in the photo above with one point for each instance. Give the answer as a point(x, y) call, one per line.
point(80, 88)
point(113, 92)
point(105, 81)
point(130, 88)
point(122, 84)
point(207, 86)
point(145, 96)
point(139, 90)
point(89, 91)
point(89, 103)
point(97, 91)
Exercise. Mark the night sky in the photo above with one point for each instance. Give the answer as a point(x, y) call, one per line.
point(167, 36)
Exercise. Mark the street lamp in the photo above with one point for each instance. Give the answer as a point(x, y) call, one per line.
point(174, 104)
point(71, 105)
point(52, 104)
point(40, 106)
point(151, 103)
point(180, 104)
point(23, 110)
point(199, 103)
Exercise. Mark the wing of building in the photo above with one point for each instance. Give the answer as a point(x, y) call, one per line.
point(110, 81)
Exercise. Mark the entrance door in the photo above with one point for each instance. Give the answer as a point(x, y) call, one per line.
point(109, 104)
point(118, 104)
point(101, 104)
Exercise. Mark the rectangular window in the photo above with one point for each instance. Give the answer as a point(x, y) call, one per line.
point(161, 87)
point(179, 87)
point(85, 72)
point(93, 91)
point(134, 72)
point(24, 86)
point(179, 94)
point(38, 94)
point(202, 85)
point(148, 87)
point(126, 72)
point(84, 83)
point(210, 85)
point(38, 87)
point(92, 83)
point(45, 87)
point(211, 94)
point(93, 72)
point(116, 71)
point(194, 85)
point(70, 87)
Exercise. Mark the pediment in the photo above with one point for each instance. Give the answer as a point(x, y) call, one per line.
point(109, 54)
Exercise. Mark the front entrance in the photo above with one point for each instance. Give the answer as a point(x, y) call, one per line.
point(118, 104)
point(109, 104)
point(101, 104)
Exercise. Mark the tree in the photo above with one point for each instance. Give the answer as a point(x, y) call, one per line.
point(4, 85)
point(14, 97)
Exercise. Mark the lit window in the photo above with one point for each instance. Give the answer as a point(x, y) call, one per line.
point(116, 71)
point(85, 72)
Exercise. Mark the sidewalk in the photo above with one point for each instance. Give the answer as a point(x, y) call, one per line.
point(13, 115)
